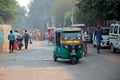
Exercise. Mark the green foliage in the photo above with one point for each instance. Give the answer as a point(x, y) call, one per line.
point(8, 9)
point(59, 9)
point(67, 18)
point(100, 10)
point(79, 16)
point(39, 13)
point(20, 21)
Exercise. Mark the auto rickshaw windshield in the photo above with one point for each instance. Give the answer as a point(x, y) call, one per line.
point(71, 35)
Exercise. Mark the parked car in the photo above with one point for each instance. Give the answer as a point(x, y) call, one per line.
point(114, 37)
point(105, 37)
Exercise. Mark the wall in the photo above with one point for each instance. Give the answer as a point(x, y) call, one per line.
point(4, 43)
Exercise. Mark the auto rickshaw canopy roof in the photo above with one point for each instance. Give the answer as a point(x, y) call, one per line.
point(67, 29)
point(51, 27)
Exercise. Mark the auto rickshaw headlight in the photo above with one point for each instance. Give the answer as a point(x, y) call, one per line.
point(66, 46)
point(79, 46)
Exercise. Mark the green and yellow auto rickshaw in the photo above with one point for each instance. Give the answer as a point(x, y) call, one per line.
point(68, 44)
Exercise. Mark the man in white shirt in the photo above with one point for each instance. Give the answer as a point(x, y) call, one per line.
point(84, 38)
point(17, 35)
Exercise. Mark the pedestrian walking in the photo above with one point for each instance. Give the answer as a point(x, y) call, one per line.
point(49, 36)
point(11, 38)
point(26, 39)
point(30, 37)
point(84, 38)
point(98, 37)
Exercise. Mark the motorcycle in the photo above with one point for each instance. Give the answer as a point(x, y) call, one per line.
point(20, 43)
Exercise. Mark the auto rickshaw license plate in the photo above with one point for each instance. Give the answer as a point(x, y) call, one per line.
point(73, 53)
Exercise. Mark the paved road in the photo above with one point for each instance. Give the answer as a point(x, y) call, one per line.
point(37, 63)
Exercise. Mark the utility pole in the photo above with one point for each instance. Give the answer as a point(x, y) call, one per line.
point(72, 18)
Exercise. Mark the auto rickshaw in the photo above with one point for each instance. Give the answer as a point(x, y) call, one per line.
point(68, 44)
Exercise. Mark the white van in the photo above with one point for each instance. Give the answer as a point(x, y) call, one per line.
point(114, 37)
point(105, 36)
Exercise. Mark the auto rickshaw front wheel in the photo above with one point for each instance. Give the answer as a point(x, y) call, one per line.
point(55, 58)
point(73, 60)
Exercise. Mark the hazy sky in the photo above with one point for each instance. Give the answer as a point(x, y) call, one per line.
point(23, 2)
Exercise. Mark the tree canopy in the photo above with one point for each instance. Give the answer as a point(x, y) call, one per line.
point(39, 13)
point(100, 10)
point(59, 9)
point(67, 18)
point(20, 21)
point(8, 10)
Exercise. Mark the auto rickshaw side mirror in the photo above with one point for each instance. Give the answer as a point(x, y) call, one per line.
point(79, 37)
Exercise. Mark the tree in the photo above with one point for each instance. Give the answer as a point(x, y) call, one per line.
point(8, 10)
point(67, 18)
point(59, 9)
point(79, 16)
point(100, 10)
point(39, 14)
point(20, 21)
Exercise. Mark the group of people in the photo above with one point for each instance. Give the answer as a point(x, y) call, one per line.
point(98, 36)
point(13, 38)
